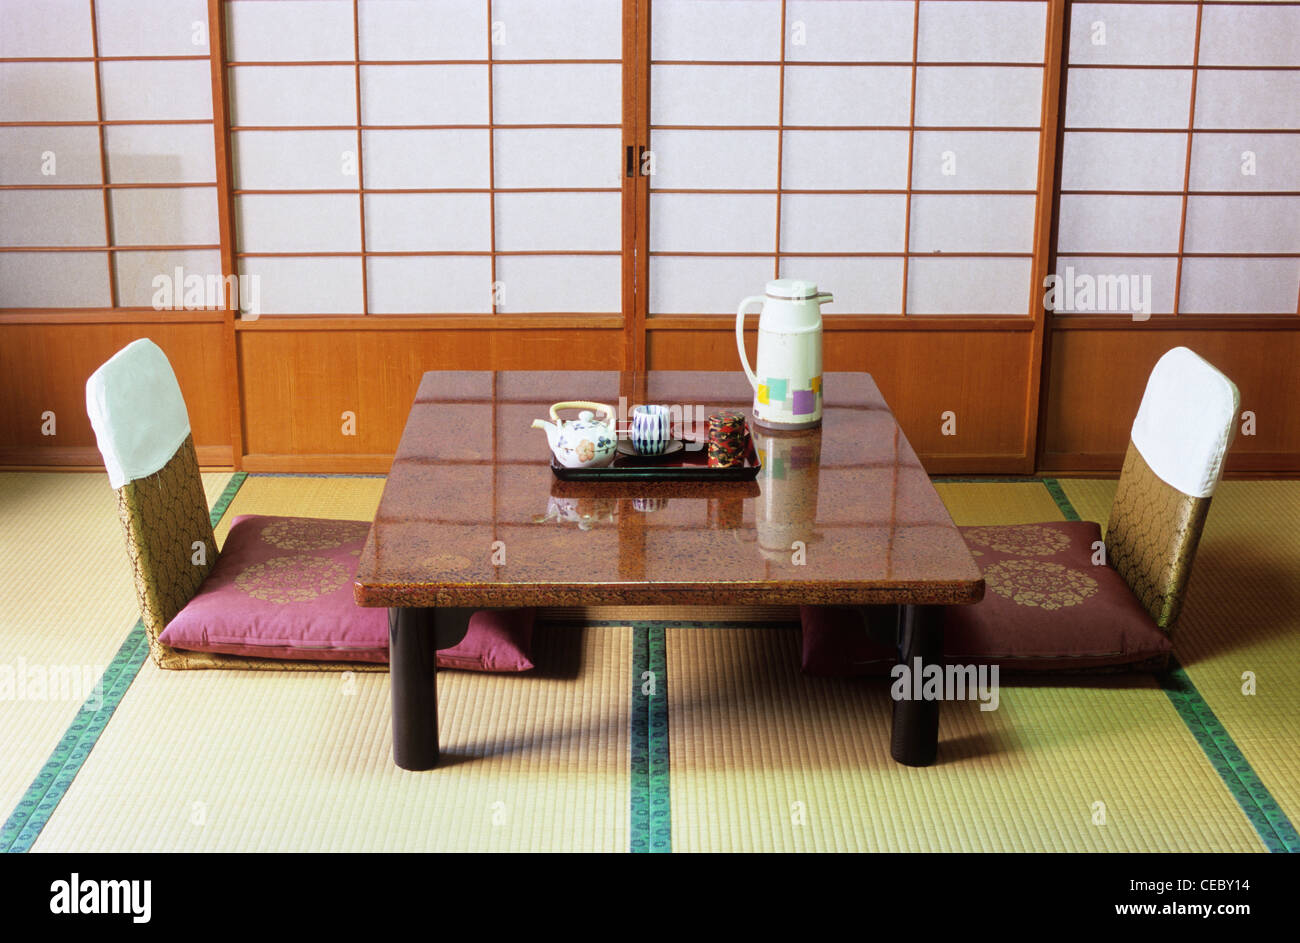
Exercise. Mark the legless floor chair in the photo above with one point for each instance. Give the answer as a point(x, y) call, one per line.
point(1058, 598)
point(279, 594)
point(143, 432)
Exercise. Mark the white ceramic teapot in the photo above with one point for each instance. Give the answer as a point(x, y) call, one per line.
point(584, 442)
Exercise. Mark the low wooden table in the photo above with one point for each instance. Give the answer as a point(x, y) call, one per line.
point(472, 518)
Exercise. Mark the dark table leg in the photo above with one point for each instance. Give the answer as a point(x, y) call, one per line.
point(414, 637)
point(915, 739)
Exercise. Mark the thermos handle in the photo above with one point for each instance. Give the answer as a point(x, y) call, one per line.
point(740, 337)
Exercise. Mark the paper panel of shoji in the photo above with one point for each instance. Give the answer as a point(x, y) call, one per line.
point(577, 93)
point(1245, 161)
point(53, 28)
point(156, 90)
point(1227, 224)
point(408, 30)
point(806, 138)
point(300, 160)
point(1177, 166)
point(872, 160)
point(152, 27)
point(1248, 99)
point(47, 217)
point(455, 158)
point(715, 160)
point(54, 280)
point(47, 91)
point(557, 29)
point(985, 286)
point(965, 160)
point(863, 285)
point(1127, 98)
point(1113, 160)
point(289, 30)
point(288, 285)
point(1140, 34)
point(1228, 286)
point(424, 94)
point(851, 31)
point(307, 95)
point(428, 222)
point(1092, 223)
point(160, 153)
point(297, 223)
point(704, 285)
point(455, 284)
point(164, 216)
point(735, 30)
point(76, 150)
point(558, 222)
point(107, 150)
point(833, 222)
point(1250, 35)
point(948, 224)
point(135, 272)
point(966, 31)
point(553, 282)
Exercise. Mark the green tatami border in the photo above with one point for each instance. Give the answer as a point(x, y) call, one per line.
point(1257, 803)
point(51, 784)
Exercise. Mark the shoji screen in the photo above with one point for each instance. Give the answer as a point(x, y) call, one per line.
point(107, 176)
point(395, 157)
point(887, 149)
point(1181, 159)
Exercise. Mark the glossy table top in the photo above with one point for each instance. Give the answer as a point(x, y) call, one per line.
point(471, 514)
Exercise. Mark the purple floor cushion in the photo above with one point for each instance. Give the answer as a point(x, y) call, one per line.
point(498, 640)
point(1046, 607)
point(282, 588)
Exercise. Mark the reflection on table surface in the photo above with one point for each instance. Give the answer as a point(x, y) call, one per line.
point(845, 505)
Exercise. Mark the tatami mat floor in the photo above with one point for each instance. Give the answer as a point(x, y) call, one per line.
point(66, 603)
point(758, 756)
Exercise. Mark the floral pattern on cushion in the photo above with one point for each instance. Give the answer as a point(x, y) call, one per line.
point(1036, 583)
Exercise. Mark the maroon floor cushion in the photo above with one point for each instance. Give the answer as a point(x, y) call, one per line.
point(282, 588)
point(1047, 607)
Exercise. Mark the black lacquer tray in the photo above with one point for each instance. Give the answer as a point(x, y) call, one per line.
point(688, 464)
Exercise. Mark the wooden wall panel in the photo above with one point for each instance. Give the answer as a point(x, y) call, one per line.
point(45, 367)
point(980, 375)
point(298, 383)
point(1097, 376)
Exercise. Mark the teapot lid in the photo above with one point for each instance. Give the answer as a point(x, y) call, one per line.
point(792, 289)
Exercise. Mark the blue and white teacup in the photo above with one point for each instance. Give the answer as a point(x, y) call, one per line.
point(650, 429)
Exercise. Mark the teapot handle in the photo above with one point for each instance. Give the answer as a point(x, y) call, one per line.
point(740, 337)
point(584, 404)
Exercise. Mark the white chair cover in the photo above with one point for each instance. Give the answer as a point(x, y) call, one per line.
point(137, 412)
point(1186, 422)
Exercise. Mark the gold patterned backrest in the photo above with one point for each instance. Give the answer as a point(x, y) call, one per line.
point(1152, 536)
point(169, 540)
point(1174, 461)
